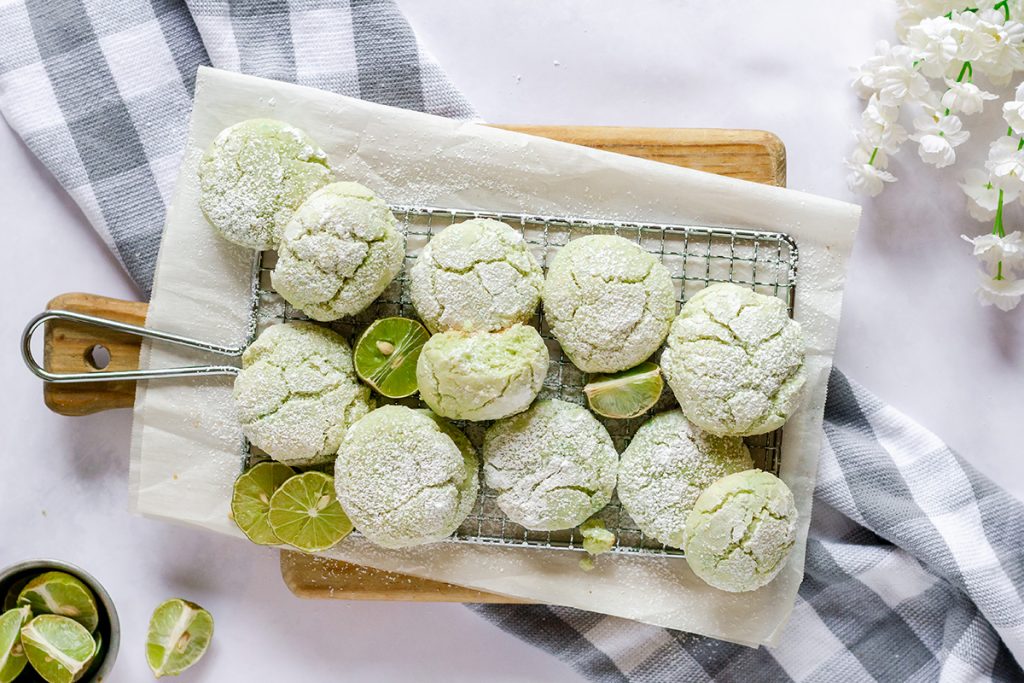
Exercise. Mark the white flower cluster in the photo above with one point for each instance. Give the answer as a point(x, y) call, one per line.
point(944, 46)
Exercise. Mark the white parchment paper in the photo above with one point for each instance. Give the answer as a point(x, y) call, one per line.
point(186, 442)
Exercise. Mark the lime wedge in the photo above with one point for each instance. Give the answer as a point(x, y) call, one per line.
point(305, 513)
point(250, 501)
point(179, 633)
point(59, 649)
point(386, 355)
point(625, 394)
point(61, 594)
point(12, 653)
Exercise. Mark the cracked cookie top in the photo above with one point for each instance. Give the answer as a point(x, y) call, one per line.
point(735, 361)
point(553, 466)
point(476, 275)
point(482, 375)
point(665, 467)
point(609, 302)
point(406, 477)
point(339, 252)
point(297, 393)
point(741, 530)
point(254, 176)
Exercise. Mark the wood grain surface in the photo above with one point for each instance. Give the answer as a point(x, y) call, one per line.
point(752, 155)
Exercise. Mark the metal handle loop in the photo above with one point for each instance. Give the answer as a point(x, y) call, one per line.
point(119, 375)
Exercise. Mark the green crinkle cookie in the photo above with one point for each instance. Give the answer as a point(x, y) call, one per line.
point(552, 466)
point(476, 275)
point(406, 477)
point(741, 530)
point(609, 302)
point(253, 178)
point(339, 252)
point(297, 393)
point(735, 361)
point(482, 375)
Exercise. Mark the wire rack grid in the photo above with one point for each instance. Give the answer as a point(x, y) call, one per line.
point(695, 257)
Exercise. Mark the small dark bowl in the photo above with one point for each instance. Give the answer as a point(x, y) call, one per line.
point(109, 628)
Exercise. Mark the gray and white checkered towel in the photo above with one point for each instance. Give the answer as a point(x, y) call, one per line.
point(915, 564)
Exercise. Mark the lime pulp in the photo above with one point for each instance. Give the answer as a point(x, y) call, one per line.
point(59, 648)
point(62, 594)
point(12, 652)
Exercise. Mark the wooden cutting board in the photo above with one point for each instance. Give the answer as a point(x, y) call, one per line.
point(747, 154)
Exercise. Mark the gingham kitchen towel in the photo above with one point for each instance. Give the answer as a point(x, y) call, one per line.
point(915, 565)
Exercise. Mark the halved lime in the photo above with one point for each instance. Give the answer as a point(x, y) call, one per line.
point(62, 594)
point(386, 355)
point(250, 501)
point(59, 649)
point(12, 653)
point(179, 634)
point(305, 513)
point(625, 394)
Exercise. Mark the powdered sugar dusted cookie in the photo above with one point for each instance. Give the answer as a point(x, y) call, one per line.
point(667, 464)
point(254, 176)
point(735, 361)
point(339, 252)
point(297, 393)
point(482, 375)
point(475, 275)
point(406, 477)
point(609, 302)
point(553, 466)
point(740, 531)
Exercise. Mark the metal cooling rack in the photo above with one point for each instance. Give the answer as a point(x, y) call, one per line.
point(695, 258)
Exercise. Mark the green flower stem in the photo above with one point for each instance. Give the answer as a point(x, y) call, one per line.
point(997, 227)
point(874, 153)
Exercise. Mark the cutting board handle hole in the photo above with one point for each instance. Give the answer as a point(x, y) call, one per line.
point(97, 357)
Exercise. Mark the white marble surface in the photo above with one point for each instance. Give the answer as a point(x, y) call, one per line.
point(911, 330)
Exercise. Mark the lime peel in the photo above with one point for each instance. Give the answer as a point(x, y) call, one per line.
point(625, 394)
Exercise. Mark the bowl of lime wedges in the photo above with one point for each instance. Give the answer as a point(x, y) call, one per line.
point(57, 624)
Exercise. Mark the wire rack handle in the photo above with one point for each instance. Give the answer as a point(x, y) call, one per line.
point(121, 375)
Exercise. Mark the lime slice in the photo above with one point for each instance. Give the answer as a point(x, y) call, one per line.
point(305, 513)
point(625, 394)
point(386, 355)
point(61, 594)
point(12, 653)
point(60, 649)
point(179, 633)
point(250, 501)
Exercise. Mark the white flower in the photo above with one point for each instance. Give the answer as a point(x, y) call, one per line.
point(934, 45)
point(990, 43)
point(1004, 294)
point(966, 98)
point(879, 127)
point(982, 195)
point(910, 12)
point(1005, 164)
point(866, 179)
point(1013, 112)
point(991, 249)
point(892, 74)
point(937, 137)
